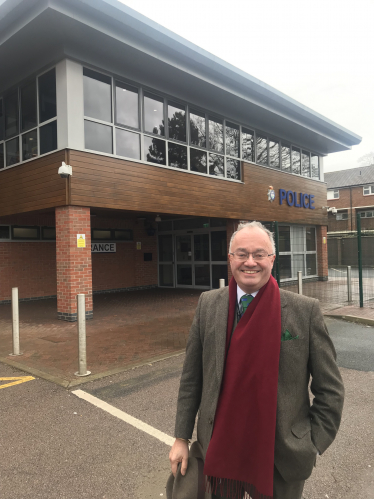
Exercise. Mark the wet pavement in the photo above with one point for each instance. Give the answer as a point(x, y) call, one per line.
point(128, 329)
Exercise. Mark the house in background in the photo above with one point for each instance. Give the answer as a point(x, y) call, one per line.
point(350, 192)
point(169, 147)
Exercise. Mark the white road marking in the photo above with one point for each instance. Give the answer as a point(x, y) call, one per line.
point(163, 437)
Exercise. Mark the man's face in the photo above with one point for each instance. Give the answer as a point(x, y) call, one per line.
point(251, 275)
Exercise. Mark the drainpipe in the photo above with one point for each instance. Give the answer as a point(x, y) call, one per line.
point(350, 196)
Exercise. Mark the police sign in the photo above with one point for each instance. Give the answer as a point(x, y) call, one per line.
point(297, 199)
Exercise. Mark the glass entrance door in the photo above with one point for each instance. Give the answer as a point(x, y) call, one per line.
point(183, 246)
point(166, 260)
point(201, 260)
point(193, 260)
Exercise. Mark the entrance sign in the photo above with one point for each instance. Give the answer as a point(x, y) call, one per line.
point(81, 240)
point(297, 199)
point(103, 248)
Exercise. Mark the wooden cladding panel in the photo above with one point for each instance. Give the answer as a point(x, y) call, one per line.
point(33, 186)
point(101, 181)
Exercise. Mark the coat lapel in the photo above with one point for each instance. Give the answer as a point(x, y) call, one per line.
point(284, 310)
point(220, 329)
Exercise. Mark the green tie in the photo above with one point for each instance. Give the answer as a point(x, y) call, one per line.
point(245, 300)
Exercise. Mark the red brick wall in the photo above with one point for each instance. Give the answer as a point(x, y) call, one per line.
point(126, 268)
point(29, 266)
point(344, 201)
point(322, 259)
point(74, 266)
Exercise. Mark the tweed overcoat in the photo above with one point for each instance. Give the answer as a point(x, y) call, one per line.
point(302, 428)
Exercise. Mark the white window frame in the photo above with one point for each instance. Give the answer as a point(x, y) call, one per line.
point(208, 115)
point(370, 188)
point(340, 216)
point(301, 252)
point(332, 194)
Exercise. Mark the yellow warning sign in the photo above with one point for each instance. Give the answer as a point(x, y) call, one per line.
point(15, 381)
point(81, 240)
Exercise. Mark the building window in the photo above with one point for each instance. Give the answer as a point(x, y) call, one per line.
point(286, 158)
point(127, 144)
point(216, 135)
point(232, 140)
point(12, 152)
point(198, 161)
point(11, 113)
point(368, 190)
point(197, 129)
point(248, 146)
point(155, 150)
point(48, 233)
point(274, 154)
point(98, 137)
point(47, 96)
point(177, 156)
point(154, 121)
point(305, 164)
point(177, 122)
point(127, 105)
point(342, 216)
point(28, 106)
point(333, 194)
point(296, 161)
point(111, 235)
point(4, 231)
point(26, 233)
point(216, 165)
point(129, 133)
point(29, 145)
point(262, 150)
point(2, 162)
point(97, 95)
point(19, 114)
point(314, 163)
point(367, 214)
point(297, 251)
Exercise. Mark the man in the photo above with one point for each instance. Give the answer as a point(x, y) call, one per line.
point(251, 352)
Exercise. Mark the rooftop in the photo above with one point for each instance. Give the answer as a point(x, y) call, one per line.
point(353, 176)
point(93, 31)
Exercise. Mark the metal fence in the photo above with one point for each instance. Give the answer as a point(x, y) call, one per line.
point(354, 250)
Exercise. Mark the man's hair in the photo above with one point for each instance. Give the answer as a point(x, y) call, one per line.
point(252, 225)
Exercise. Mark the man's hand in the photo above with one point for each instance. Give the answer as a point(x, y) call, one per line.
point(179, 454)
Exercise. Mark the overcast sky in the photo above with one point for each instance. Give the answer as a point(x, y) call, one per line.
point(318, 52)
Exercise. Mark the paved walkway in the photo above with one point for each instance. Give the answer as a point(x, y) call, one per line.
point(128, 329)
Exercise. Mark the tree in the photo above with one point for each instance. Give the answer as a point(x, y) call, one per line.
point(367, 159)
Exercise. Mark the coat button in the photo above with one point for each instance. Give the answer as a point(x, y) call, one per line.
point(210, 420)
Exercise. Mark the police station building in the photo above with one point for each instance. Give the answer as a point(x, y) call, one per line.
point(163, 148)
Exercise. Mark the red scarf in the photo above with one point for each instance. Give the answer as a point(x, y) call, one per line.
point(241, 450)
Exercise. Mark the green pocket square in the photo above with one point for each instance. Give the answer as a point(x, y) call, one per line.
point(288, 336)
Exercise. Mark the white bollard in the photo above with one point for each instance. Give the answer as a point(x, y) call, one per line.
point(300, 282)
point(15, 322)
point(222, 283)
point(81, 308)
point(349, 282)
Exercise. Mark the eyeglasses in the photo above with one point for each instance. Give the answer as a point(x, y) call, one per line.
point(242, 256)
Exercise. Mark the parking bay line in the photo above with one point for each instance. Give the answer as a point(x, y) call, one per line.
point(136, 423)
point(15, 380)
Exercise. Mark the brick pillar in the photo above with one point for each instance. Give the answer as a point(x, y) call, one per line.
point(74, 267)
point(322, 261)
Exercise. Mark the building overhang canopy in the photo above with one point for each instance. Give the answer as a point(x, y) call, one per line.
point(111, 36)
